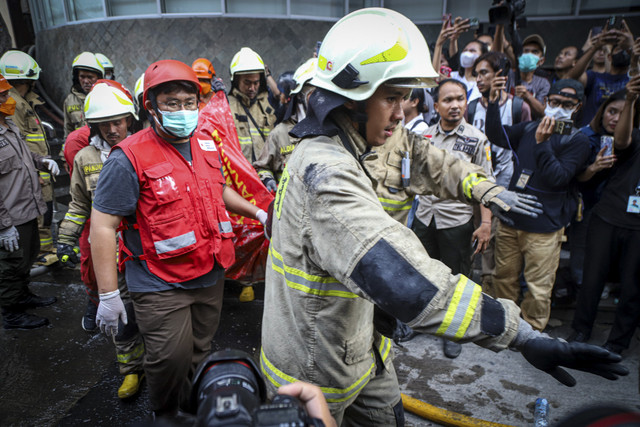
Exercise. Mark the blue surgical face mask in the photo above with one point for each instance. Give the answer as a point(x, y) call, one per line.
point(180, 123)
point(528, 62)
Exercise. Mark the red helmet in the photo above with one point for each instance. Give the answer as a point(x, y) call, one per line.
point(203, 68)
point(115, 84)
point(167, 70)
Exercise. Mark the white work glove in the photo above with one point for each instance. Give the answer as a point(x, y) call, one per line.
point(9, 238)
point(52, 166)
point(110, 310)
point(262, 216)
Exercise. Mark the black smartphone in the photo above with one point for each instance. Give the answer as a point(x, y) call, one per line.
point(595, 31)
point(473, 23)
point(614, 22)
point(563, 127)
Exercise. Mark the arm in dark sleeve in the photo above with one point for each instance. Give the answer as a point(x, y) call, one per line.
point(38, 161)
point(558, 169)
point(502, 136)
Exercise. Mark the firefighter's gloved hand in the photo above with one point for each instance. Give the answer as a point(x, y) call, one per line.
point(551, 355)
point(218, 85)
point(52, 166)
point(110, 310)
point(271, 184)
point(262, 216)
point(68, 255)
point(9, 239)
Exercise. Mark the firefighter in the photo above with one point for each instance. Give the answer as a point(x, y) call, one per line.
point(253, 113)
point(86, 71)
point(23, 72)
point(335, 253)
point(110, 113)
point(109, 69)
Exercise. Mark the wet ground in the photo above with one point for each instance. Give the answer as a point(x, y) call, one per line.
point(61, 375)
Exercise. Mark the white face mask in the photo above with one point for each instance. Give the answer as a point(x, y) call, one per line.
point(558, 112)
point(467, 59)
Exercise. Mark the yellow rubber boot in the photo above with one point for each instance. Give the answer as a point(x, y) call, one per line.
point(130, 386)
point(247, 294)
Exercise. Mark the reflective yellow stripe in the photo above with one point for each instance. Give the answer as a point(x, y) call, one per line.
point(282, 190)
point(461, 309)
point(245, 140)
point(396, 52)
point(307, 283)
point(385, 348)
point(134, 354)
point(46, 241)
point(396, 205)
point(34, 137)
point(279, 378)
point(77, 219)
point(44, 175)
point(265, 132)
point(469, 182)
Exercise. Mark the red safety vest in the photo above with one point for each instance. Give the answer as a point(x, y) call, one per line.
point(181, 217)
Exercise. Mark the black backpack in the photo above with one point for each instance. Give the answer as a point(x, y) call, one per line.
point(516, 109)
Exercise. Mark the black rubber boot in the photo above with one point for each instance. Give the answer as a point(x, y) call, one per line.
point(14, 319)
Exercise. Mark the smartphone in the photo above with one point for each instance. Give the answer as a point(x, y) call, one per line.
point(606, 142)
point(473, 23)
point(595, 31)
point(614, 22)
point(445, 71)
point(563, 127)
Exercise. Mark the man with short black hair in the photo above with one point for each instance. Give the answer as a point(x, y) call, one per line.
point(546, 166)
point(532, 88)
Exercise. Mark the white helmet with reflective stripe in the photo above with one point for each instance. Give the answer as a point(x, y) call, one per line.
point(104, 61)
point(17, 65)
point(369, 47)
point(88, 61)
point(105, 103)
point(139, 88)
point(304, 73)
point(246, 61)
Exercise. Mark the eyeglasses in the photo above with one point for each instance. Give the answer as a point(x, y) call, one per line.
point(175, 106)
point(567, 105)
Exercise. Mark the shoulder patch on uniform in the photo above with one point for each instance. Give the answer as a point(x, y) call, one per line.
point(394, 284)
point(493, 317)
point(269, 110)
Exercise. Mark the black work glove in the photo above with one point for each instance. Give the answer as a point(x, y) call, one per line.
point(271, 184)
point(524, 204)
point(550, 355)
point(68, 255)
point(218, 85)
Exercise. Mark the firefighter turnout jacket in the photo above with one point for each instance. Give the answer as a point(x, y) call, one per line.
point(276, 152)
point(73, 111)
point(87, 165)
point(335, 253)
point(252, 136)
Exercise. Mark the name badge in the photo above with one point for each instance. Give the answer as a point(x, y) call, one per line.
point(634, 205)
point(207, 144)
point(523, 179)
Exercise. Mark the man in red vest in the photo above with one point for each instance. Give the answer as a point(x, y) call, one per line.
point(163, 188)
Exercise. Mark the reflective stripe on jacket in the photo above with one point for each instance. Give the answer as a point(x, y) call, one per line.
point(73, 111)
point(181, 217)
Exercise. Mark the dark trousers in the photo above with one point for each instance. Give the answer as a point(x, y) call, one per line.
point(15, 266)
point(452, 246)
point(609, 246)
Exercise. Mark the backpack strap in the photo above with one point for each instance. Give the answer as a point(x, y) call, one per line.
point(471, 110)
point(516, 109)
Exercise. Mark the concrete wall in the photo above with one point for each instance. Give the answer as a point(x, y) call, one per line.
point(133, 44)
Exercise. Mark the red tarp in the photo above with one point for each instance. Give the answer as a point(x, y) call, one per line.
point(249, 241)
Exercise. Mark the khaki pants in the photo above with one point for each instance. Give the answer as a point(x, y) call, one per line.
point(540, 254)
point(177, 327)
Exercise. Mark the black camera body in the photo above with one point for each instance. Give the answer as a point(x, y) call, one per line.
point(506, 11)
point(228, 390)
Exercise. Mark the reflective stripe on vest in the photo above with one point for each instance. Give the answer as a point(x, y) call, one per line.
point(307, 283)
point(461, 309)
point(45, 175)
point(385, 347)
point(225, 227)
point(279, 378)
point(175, 243)
point(396, 205)
point(34, 137)
point(256, 133)
point(136, 353)
point(469, 182)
